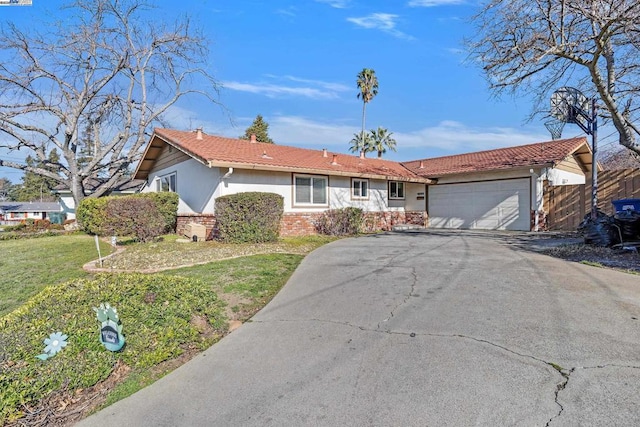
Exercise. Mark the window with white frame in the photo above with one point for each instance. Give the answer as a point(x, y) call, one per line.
point(167, 183)
point(310, 190)
point(359, 188)
point(396, 190)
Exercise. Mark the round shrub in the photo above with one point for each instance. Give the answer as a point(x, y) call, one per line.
point(341, 222)
point(251, 217)
point(91, 214)
point(133, 216)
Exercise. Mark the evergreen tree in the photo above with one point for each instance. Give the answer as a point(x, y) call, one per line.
point(6, 188)
point(36, 187)
point(260, 129)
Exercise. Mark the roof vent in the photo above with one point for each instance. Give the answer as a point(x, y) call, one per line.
point(265, 155)
point(199, 134)
point(324, 152)
point(421, 164)
point(334, 162)
point(362, 154)
point(253, 138)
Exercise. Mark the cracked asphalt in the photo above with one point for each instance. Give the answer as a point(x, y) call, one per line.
point(417, 329)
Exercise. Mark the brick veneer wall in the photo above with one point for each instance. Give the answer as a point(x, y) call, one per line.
point(303, 224)
point(208, 220)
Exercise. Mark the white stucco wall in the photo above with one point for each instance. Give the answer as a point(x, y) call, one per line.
point(199, 186)
point(243, 180)
point(415, 197)
point(560, 177)
point(68, 206)
point(196, 185)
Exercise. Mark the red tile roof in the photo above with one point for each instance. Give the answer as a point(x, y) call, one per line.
point(548, 153)
point(217, 151)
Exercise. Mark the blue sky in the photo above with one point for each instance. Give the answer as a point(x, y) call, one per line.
point(295, 62)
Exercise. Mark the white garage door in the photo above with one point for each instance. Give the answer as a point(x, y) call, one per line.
point(488, 205)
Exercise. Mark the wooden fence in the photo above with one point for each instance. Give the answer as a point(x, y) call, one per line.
point(566, 205)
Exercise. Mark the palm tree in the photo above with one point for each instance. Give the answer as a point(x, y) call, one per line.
point(368, 84)
point(382, 140)
point(361, 142)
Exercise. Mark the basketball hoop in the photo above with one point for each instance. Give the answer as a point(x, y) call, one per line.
point(569, 105)
point(554, 127)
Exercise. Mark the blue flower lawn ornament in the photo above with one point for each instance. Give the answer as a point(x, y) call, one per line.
point(110, 327)
point(54, 344)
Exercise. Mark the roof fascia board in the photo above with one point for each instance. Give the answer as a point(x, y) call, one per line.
point(168, 142)
point(253, 166)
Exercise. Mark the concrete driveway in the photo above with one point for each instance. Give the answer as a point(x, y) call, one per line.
point(417, 329)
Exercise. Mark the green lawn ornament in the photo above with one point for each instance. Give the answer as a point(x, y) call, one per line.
point(110, 327)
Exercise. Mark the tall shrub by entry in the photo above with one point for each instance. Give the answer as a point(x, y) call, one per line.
point(251, 217)
point(341, 222)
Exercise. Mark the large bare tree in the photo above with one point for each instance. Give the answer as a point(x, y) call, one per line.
point(536, 46)
point(92, 86)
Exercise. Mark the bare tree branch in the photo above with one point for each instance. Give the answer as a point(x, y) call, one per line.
point(95, 90)
point(535, 46)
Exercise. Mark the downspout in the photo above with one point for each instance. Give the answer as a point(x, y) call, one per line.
point(222, 178)
point(536, 212)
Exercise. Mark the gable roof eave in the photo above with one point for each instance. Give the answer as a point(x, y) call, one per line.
point(163, 140)
point(288, 169)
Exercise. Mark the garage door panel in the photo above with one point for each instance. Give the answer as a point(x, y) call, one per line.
point(493, 205)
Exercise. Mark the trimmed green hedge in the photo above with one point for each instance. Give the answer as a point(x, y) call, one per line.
point(134, 216)
point(137, 215)
point(91, 214)
point(249, 217)
point(341, 222)
point(167, 204)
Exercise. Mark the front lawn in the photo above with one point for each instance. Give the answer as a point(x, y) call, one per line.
point(167, 317)
point(28, 265)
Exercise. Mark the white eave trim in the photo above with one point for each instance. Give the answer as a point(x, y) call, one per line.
point(250, 166)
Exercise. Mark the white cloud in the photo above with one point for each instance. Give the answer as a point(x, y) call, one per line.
point(315, 89)
point(303, 132)
point(273, 91)
point(290, 11)
point(457, 137)
point(334, 87)
point(381, 21)
point(433, 3)
point(447, 137)
point(338, 4)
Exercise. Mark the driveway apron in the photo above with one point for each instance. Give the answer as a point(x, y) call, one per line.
point(417, 329)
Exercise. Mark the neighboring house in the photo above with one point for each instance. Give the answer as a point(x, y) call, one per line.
point(124, 187)
point(501, 189)
point(12, 213)
point(496, 189)
point(201, 168)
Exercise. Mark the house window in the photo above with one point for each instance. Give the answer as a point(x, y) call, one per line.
point(167, 183)
point(359, 188)
point(310, 190)
point(396, 190)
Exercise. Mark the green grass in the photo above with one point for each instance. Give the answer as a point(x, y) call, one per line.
point(162, 314)
point(156, 313)
point(255, 278)
point(28, 265)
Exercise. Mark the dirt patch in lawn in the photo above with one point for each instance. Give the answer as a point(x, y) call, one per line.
point(617, 258)
point(163, 256)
